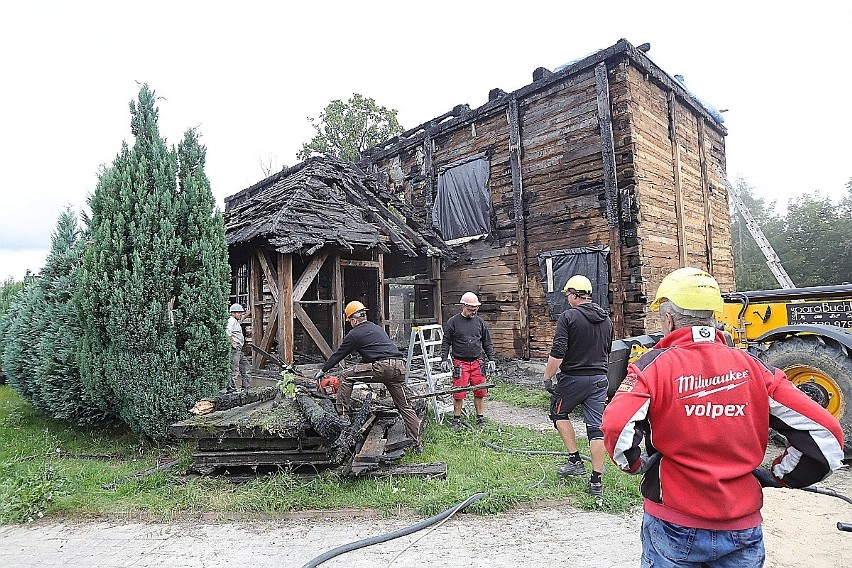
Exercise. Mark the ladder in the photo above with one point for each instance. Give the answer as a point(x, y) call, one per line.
point(424, 351)
point(772, 259)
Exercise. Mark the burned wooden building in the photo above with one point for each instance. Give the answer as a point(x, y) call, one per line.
point(607, 167)
point(304, 241)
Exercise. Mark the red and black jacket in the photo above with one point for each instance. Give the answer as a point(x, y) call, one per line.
point(707, 408)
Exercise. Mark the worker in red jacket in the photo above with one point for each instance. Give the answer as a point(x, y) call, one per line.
point(704, 411)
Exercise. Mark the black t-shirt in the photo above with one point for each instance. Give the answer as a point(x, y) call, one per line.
point(370, 341)
point(583, 340)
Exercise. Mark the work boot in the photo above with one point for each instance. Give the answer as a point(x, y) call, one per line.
point(596, 489)
point(480, 421)
point(455, 424)
point(418, 449)
point(572, 468)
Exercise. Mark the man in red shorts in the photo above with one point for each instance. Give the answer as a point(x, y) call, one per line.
point(467, 337)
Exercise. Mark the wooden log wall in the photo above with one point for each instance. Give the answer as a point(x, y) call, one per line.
point(675, 155)
point(563, 190)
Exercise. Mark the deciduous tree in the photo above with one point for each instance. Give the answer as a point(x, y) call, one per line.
point(345, 129)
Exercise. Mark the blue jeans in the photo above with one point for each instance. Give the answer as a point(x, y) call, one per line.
point(667, 545)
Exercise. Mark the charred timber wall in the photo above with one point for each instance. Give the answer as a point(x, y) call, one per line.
point(662, 207)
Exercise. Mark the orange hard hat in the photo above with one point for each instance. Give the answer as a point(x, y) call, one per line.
point(354, 308)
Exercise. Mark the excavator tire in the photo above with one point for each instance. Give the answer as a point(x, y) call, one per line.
point(821, 369)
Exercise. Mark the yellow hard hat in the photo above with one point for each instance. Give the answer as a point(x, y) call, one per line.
point(579, 283)
point(689, 289)
point(354, 308)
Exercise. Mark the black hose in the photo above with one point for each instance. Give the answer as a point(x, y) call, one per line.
point(497, 448)
point(395, 534)
point(826, 491)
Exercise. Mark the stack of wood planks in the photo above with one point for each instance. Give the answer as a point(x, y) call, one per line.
point(301, 435)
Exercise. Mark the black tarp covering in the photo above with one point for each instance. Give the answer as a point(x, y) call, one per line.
point(463, 204)
point(591, 262)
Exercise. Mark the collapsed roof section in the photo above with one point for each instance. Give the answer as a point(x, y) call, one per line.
point(462, 115)
point(324, 201)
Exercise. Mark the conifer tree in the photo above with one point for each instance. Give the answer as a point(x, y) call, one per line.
point(58, 388)
point(147, 284)
point(22, 327)
point(203, 278)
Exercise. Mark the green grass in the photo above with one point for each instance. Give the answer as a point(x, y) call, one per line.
point(43, 473)
point(525, 397)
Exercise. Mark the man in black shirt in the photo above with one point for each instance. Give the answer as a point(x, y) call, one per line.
point(468, 337)
point(580, 354)
point(381, 362)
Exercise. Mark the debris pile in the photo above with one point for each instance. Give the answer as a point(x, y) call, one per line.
point(260, 430)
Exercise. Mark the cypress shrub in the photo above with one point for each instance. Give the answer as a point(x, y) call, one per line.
point(58, 388)
point(137, 290)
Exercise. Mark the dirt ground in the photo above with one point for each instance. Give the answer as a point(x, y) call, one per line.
point(799, 528)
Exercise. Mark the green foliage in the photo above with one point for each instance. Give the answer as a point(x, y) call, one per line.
point(57, 386)
point(286, 384)
point(818, 235)
point(203, 279)
point(346, 129)
point(153, 281)
point(8, 290)
point(20, 347)
point(32, 443)
point(752, 272)
point(28, 494)
point(813, 240)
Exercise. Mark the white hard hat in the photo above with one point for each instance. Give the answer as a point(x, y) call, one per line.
point(470, 299)
point(236, 308)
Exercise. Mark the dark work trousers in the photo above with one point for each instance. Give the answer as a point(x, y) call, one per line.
point(389, 372)
point(239, 368)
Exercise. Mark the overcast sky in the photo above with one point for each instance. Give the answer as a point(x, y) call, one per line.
point(247, 74)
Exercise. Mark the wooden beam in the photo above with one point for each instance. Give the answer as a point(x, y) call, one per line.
point(437, 295)
point(337, 295)
point(705, 196)
point(308, 275)
point(270, 331)
point(271, 279)
point(286, 348)
point(381, 285)
point(409, 281)
point(312, 330)
point(428, 174)
point(678, 190)
point(359, 263)
point(520, 225)
point(611, 193)
point(256, 301)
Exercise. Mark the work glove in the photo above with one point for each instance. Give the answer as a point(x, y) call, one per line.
point(549, 386)
point(446, 366)
point(490, 368)
point(645, 463)
point(766, 478)
point(320, 374)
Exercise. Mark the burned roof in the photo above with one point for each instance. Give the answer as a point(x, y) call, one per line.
point(324, 201)
point(462, 115)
